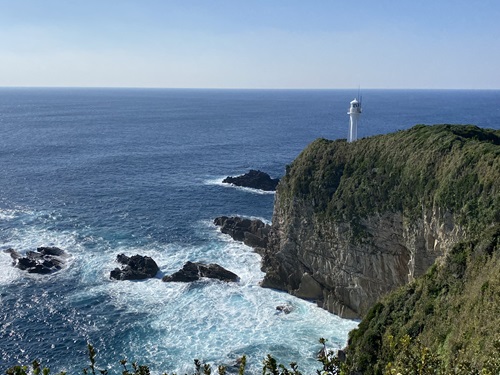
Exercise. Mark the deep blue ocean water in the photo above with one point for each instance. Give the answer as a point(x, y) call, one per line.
point(100, 172)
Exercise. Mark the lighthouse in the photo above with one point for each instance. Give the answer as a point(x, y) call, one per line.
point(354, 112)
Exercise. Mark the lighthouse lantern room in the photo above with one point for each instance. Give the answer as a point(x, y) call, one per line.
point(354, 113)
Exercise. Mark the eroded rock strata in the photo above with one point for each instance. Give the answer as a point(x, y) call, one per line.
point(354, 221)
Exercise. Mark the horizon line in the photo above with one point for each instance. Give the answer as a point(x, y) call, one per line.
point(246, 88)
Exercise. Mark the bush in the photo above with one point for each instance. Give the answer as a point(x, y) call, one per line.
point(330, 366)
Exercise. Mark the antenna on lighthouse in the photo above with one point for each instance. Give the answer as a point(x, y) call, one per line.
point(354, 113)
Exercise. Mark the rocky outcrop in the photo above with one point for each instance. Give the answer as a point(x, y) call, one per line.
point(255, 180)
point(194, 271)
point(253, 232)
point(354, 221)
point(136, 267)
point(44, 260)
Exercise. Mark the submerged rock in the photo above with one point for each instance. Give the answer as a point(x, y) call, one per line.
point(137, 267)
point(254, 179)
point(194, 271)
point(44, 260)
point(285, 309)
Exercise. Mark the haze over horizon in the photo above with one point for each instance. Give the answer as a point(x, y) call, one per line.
point(250, 44)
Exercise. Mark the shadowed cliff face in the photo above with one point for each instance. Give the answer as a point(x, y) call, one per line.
point(353, 222)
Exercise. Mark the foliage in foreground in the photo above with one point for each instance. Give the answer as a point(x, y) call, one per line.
point(413, 358)
point(329, 362)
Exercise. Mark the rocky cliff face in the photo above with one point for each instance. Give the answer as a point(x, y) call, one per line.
point(317, 259)
point(353, 222)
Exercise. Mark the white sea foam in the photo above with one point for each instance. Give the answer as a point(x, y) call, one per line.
point(8, 214)
point(210, 224)
point(28, 235)
point(217, 322)
point(167, 325)
point(218, 182)
point(7, 273)
point(209, 319)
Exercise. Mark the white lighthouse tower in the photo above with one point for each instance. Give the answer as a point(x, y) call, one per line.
point(354, 112)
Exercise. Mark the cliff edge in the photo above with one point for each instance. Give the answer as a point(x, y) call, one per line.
point(354, 221)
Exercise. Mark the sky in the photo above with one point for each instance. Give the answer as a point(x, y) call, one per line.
point(276, 44)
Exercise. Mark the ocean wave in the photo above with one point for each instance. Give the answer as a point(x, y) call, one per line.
point(8, 214)
point(209, 319)
point(218, 182)
point(29, 239)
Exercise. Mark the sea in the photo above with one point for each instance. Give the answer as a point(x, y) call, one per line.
point(101, 172)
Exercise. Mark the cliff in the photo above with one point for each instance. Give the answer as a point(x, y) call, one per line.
point(354, 221)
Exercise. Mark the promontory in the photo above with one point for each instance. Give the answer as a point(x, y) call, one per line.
point(417, 209)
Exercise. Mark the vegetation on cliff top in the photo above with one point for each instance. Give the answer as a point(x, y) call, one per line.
point(442, 165)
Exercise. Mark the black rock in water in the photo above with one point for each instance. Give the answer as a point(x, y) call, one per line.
point(137, 267)
point(187, 274)
point(253, 233)
point(44, 260)
point(194, 271)
point(286, 309)
point(255, 180)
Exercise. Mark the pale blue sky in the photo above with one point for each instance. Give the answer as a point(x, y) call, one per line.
point(251, 44)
